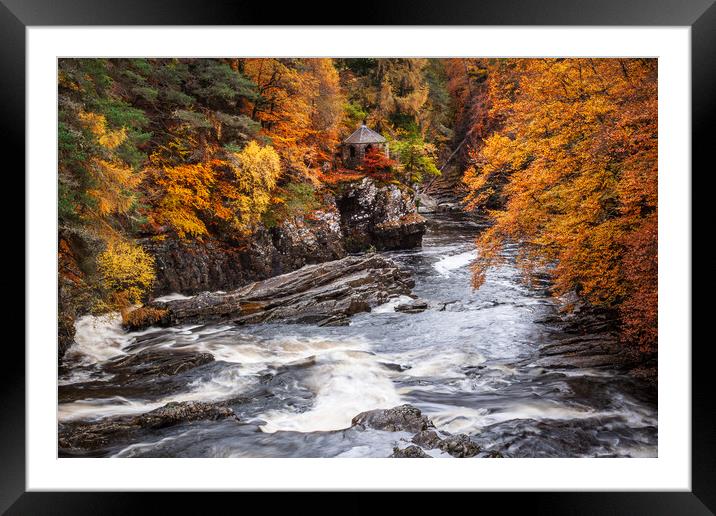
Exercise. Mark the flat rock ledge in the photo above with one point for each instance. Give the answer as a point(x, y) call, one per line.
point(406, 418)
point(99, 434)
point(323, 294)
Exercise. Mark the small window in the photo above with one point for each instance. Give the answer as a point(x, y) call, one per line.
point(352, 151)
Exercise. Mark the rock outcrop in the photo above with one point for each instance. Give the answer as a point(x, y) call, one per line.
point(190, 267)
point(99, 434)
point(413, 306)
point(154, 363)
point(323, 294)
point(363, 215)
point(407, 418)
point(383, 217)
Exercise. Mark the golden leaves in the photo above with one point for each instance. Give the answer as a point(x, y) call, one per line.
point(126, 270)
point(578, 155)
point(97, 124)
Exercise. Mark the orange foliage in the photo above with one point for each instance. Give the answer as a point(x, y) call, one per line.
point(578, 150)
point(299, 107)
point(376, 162)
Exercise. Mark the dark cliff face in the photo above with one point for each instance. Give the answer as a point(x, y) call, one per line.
point(191, 266)
point(363, 215)
point(383, 217)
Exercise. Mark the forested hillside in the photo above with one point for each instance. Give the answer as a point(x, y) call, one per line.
point(560, 154)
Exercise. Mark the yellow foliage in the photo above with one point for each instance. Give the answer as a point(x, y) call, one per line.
point(186, 191)
point(256, 170)
point(126, 270)
point(97, 124)
point(115, 185)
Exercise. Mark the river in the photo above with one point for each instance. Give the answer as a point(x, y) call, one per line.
point(466, 362)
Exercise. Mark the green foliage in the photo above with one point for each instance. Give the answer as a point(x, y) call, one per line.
point(192, 119)
point(417, 158)
point(297, 199)
point(354, 114)
point(218, 84)
point(119, 113)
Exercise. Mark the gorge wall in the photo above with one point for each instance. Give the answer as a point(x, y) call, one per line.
point(359, 216)
point(362, 215)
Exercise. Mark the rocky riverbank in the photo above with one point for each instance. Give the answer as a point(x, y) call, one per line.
point(358, 216)
point(354, 217)
point(325, 294)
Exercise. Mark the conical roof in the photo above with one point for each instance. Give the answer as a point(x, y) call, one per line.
point(364, 135)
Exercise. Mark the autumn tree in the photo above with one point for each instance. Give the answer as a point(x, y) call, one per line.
point(299, 107)
point(375, 161)
point(578, 148)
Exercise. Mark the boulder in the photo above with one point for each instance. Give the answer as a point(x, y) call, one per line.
point(99, 434)
point(323, 294)
point(411, 452)
point(412, 307)
point(427, 439)
point(459, 446)
point(403, 418)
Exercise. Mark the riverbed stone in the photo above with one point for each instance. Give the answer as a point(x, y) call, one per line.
point(427, 439)
point(411, 452)
point(459, 446)
point(403, 418)
point(102, 433)
point(413, 306)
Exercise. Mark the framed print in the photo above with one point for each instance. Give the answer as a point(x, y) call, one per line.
point(278, 258)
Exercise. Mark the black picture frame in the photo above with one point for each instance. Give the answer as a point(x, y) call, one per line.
point(700, 15)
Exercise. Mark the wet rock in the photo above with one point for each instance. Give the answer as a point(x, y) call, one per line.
point(380, 216)
point(182, 412)
point(582, 352)
point(159, 362)
point(412, 307)
point(403, 418)
point(191, 267)
point(459, 446)
point(411, 452)
point(426, 204)
point(323, 294)
point(395, 367)
point(100, 434)
point(491, 454)
point(427, 439)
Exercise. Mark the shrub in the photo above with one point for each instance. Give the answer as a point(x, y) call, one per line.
point(142, 317)
point(126, 272)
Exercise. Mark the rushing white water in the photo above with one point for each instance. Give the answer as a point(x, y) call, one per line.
point(97, 339)
point(345, 384)
point(450, 263)
point(465, 362)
